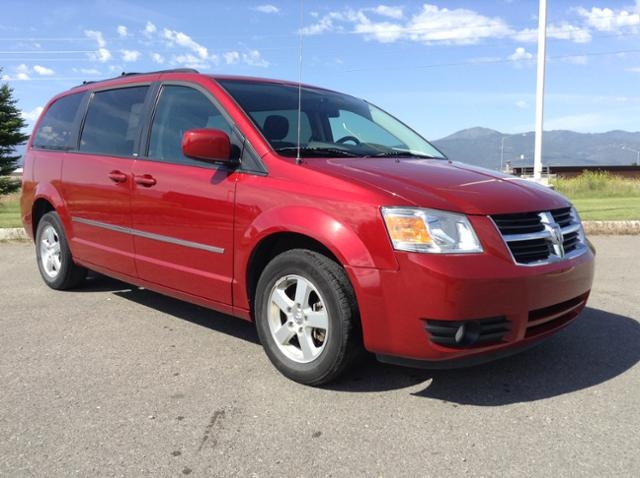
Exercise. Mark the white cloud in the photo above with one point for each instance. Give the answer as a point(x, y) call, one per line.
point(324, 25)
point(18, 77)
point(97, 36)
point(565, 31)
point(43, 71)
point(149, 29)
point(520, 54)
point(157, 58)
point(635, 69)
point(267, 9)
point(186, 41)
point(391, 12)
point(87, 71)
point(608, 20)
point(254, 58)
point(122, 31)
point(383, 32)
point(32, 115)
point(130, 55)
point(430, 25)
point(22, 74)
point(190, 61)
point(231, 57)
point(528, 35)
point(101, 54)
point(523, 105)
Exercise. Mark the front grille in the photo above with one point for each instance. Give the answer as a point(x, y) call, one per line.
point(536, 238)
point(554, 316)
point(467, 333)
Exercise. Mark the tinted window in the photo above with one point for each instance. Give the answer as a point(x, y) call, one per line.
point(113, 121)
point(55, 129)
point(179, 109)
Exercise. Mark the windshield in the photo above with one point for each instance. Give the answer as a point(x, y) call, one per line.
point(331, 124)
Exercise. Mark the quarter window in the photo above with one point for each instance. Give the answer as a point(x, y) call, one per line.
point(113, 121)
point(55, 130)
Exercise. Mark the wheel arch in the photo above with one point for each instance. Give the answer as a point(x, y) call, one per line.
point(273, 245)
point(297, 227)
point(41, 206)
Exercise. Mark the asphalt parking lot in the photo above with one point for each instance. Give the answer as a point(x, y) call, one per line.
point(111, 381)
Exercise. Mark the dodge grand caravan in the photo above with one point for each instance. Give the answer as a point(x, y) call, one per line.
point(320, 217)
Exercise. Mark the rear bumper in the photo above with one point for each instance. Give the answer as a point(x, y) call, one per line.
point(399, 308)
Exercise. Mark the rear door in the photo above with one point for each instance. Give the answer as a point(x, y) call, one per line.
point(182, 209)
point(97, 181)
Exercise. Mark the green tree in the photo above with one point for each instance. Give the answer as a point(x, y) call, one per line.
point(11, 126)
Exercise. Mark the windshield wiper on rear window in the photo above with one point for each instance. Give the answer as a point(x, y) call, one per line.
point(316, 152)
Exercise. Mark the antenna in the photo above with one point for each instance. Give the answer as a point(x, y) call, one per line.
point(298, 157)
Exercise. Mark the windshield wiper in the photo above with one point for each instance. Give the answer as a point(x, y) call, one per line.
point(317, 152)
point(404, 154)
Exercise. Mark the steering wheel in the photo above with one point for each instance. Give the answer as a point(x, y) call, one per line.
point(344, 139)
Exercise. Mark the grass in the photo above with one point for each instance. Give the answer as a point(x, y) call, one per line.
point(599, 196)
point(10, 211)
point(608, 209)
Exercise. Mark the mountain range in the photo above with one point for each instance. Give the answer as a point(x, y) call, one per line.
point(491, 149)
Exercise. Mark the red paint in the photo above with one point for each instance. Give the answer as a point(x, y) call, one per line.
point(228, 213)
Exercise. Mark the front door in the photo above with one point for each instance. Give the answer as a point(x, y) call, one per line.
point(182, 209)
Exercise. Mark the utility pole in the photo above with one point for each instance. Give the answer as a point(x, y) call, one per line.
point(542, 42)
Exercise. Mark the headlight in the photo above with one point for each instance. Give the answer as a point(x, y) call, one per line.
point(430, 230)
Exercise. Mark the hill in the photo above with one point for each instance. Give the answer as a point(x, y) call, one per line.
point(486, 147)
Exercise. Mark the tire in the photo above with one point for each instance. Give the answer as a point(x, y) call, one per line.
point(306, 316)
point(53, 255)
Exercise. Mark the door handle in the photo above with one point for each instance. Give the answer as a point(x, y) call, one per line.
point(145, 180)
point(117, 176)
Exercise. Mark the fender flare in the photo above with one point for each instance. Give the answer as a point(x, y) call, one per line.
point(334, 234)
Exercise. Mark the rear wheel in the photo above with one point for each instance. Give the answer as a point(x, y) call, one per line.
point(54, 257)
point(306, 316)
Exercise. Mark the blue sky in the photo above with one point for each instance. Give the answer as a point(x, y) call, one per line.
point(440, 66)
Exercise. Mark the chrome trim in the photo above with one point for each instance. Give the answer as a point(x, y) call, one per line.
point(539, 235)
point(552, 233)
point(552, 259)
point(149, 235)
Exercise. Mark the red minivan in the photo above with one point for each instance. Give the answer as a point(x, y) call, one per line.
point(320, 217)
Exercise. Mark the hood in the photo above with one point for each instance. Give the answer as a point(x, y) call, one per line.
point(444, 185)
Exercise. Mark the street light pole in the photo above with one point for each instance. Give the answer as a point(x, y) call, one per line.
point(634, 151)
point(542, 41)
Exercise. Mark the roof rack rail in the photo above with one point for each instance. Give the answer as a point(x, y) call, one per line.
point(124, 73)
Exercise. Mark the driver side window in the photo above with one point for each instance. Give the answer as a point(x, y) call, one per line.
point(179, 109)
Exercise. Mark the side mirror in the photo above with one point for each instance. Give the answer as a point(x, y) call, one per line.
point(207, 144)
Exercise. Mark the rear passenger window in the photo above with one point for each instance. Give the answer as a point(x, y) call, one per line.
point(179, 109)
point(55, 128)
point(113, 121)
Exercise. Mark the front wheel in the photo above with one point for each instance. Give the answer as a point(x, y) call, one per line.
point(306, 316)
point(54, 257)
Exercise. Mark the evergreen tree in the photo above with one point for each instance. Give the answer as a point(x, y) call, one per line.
point(11, 126)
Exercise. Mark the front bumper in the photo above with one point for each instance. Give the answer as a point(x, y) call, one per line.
point(397, 307)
